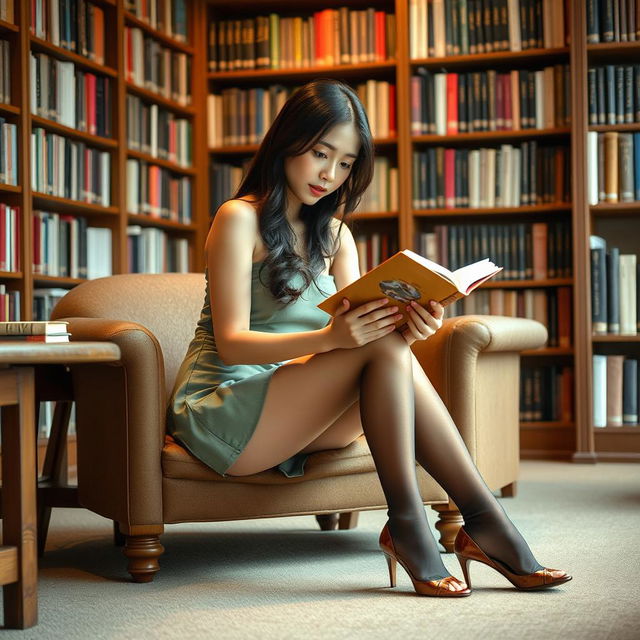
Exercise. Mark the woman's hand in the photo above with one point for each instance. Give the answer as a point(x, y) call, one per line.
point(421, 322)
point(366, 323)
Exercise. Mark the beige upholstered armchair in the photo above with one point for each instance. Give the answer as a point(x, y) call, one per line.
point(131, 471)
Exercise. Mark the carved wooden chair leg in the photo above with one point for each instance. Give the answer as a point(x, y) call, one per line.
point(448, 524)
point(509, 491)
point(328, 521)
point(143, 553)
point(54, 469)
point(118, 537)
point(348, 520)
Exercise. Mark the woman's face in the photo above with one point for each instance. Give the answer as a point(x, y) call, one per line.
point(323, 168)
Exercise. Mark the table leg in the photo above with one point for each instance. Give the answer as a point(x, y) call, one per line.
point(19, 502)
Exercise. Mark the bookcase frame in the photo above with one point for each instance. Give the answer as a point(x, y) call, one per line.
point(576, 440)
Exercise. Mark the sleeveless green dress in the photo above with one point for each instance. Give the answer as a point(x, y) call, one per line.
point(215, 407)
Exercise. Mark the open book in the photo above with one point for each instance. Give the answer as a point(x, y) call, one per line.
point(408, 276)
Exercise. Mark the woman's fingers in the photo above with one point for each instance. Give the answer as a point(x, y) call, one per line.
point(424, 316)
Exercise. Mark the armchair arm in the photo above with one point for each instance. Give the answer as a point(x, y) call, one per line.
point(474, 364)
point(120, 414)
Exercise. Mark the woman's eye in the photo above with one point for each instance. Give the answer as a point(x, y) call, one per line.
point(346, 165)
point(319, 154)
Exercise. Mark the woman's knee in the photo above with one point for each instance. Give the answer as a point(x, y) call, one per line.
point(392, 347)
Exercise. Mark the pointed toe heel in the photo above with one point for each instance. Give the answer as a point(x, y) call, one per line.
point(466, 549)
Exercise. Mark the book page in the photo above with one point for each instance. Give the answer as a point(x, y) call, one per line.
point(473, 274)
point(432, 266)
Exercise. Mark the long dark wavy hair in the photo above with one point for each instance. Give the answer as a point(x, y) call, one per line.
point(305, 117)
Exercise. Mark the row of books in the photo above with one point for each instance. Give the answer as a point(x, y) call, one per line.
point(33, 331)
point(5, 76)
point(75, 98)
point(152, 250)
point(510, 176)
point(76, 25)
point(382, 193)
point(546, 393)
point(439, 28)
point(6, 11)
point(66, 246)
point(225, 179)
point(552, 307)
point(158, 132)
point(152, 66)
point(614, 166)
point(526, 250)
point(615, 391)
point(615, 282)
point(242, 116)
point(44, 300)
point(614, 94)
point(449, 103)
point(613, 20)
point(10, 238)
point(9, 304)
point(374, 247)
point(8, 152)
point(68, 169)
point(326, 38)
point(168, 16)
point(157, 192)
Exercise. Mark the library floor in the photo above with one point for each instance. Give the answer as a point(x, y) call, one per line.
point(283, 578)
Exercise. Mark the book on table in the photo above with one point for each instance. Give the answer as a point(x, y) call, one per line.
point(34, 331)
point(408, 276)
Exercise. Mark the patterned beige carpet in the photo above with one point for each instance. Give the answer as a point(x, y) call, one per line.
point(283, 578)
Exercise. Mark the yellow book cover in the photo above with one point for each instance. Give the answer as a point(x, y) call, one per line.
point(407, 276)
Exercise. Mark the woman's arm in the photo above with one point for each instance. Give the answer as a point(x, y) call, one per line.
point(229, 255)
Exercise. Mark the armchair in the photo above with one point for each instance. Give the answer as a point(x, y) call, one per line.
point(132, 472)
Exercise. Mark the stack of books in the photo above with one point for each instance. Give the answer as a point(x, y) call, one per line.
point(34, 332)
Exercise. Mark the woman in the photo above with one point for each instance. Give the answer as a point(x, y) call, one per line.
point(249, 396)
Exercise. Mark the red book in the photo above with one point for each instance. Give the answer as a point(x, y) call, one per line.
point(507, 110)
point(499, 102)
point(328, 36)
point(449, 178)
point(384, 246)
point(416, 115)
point(564, 316)
point(566, 394)
point(381, 36)
point(129, 69)
point(539, 239)
point(393, 127)
point(452, 103)
point(90, 97)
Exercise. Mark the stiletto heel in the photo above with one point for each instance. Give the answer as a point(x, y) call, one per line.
point(466, 549)
point(464, 564)
point(438, 588)
point(391, 563)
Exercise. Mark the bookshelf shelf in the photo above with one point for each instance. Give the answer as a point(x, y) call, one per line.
point(8, 27)
point(373, 215)
point(617, 208)
point(151, 96)
point(10, 188)
point(604, 50)
point(370, 69)
point(133, 21)
point(9, 108)
point(74, 207)
point(163, 223)
point(548, 352)
point(611, 429)
point(622, 127)
point(38, 44)
point(57, 281)
point(492, 136)
point(82, 136)
point(501, 58)
point(11, 275)
point(161, 162)
point(551, 424)
point(616, 338)
point(524, 211)
point(528, 284)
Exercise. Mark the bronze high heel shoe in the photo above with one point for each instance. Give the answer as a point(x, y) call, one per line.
point(438, 588)
point(466, 550)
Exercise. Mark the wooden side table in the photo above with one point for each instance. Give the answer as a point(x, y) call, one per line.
point(18, 555)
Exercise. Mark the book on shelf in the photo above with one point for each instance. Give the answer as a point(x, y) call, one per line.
point(10, 238)
point(329, 37)
point(615, 391)
point(546, 393)
point(77, 26)
point(6, 11)
point(439, 28)
point(168, 16)
point(407, 276)
point(9, 304)
point(613, 21)
point(8, 152)
point(33, 328)
point(5, 72)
